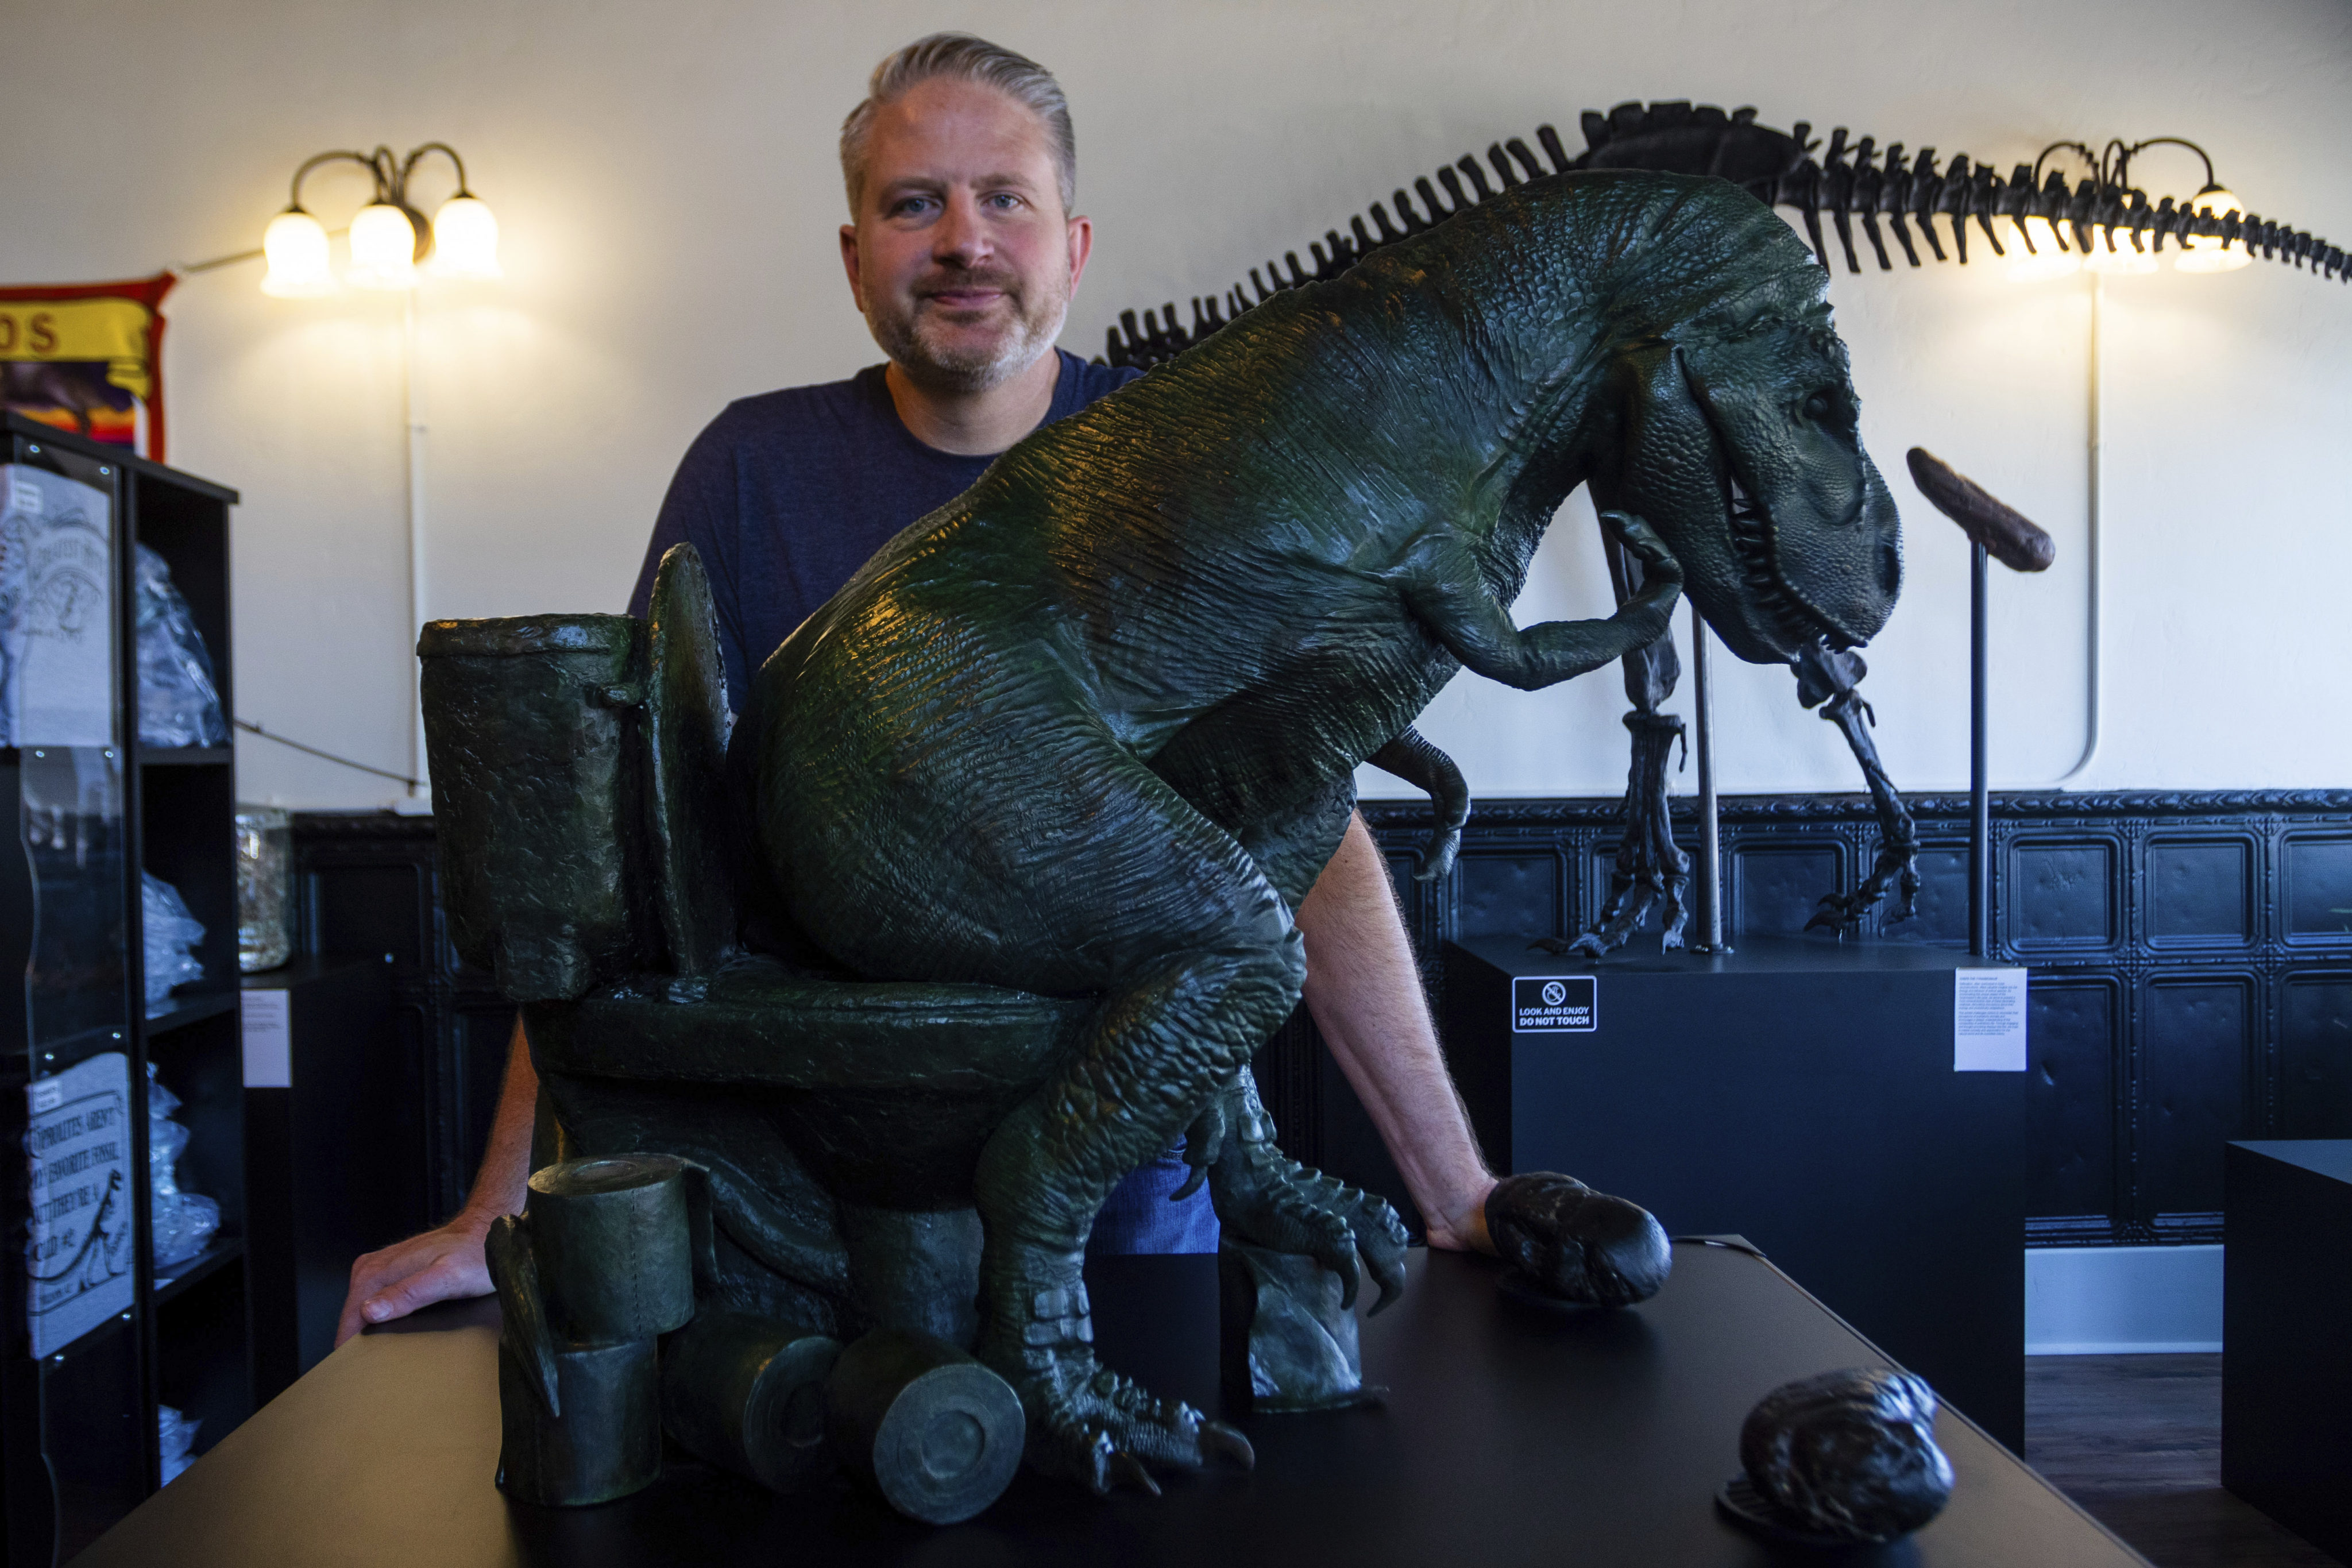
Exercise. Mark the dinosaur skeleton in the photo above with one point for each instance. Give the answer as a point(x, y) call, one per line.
point(1849, 181)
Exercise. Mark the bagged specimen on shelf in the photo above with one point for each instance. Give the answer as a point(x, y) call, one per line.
point(264, 887)
point(183, 1222)
point(175, 1435)
point(179, 705)
point(172, 933)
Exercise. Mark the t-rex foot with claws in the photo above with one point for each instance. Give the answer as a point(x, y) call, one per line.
point(1085, 1421)
point(1267, 1198)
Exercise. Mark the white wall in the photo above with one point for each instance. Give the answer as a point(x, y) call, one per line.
point(665, 177)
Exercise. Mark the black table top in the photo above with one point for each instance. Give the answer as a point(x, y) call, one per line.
point(2329, 1157)
point(1512, 1434)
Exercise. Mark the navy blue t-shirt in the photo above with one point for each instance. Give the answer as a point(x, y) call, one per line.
point(786, 495)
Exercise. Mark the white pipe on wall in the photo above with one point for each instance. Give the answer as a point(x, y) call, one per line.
point(2097, 457)
point(412, 434)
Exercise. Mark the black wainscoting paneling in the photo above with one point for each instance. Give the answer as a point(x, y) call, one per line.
point(2069, 893)
point(2317, 868)
point(2315, 1053)
point(2074, 1134)
point(2201, 891)
point(2191, 958)
point(2203, 1077)
point(1941, 912)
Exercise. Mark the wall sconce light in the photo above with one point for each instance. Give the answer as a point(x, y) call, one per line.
point(2043, 250)
point(2206, 253)
point(388, 237)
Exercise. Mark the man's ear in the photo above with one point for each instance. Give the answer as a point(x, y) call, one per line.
point(849, 264)
point(1082, 244)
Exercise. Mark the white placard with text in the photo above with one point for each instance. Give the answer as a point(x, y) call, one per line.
point(268, 1040)
point(1989, 1020)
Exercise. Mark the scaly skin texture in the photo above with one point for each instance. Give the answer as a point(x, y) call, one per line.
point(1091, 728)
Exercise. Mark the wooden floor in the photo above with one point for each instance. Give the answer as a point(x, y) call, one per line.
point(2136, 1440)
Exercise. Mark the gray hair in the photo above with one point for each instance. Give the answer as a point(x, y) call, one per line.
point(964, 58)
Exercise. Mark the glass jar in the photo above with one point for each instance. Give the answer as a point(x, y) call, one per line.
point(264, 887)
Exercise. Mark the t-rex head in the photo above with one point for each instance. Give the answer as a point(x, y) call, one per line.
point(1735, 435)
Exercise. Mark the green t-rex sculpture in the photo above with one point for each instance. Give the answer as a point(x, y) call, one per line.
point(1092, 728)
point(1034, 798)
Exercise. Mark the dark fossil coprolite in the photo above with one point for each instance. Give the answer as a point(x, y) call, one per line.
point(2014, 539)
point(1846, 1457)
point(1568, 1243)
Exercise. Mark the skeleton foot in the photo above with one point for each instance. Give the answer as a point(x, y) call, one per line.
point(1896, 867)
point(1651, 872)
point(1085, 1421)
point(1267, 1198)
point(1574, 1244)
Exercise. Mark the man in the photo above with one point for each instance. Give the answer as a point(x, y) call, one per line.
point(962, 253)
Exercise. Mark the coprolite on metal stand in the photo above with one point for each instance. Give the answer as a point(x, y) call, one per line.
point(1993, 530)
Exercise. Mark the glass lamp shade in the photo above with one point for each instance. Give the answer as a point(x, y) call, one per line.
point(2206, 252)
point(2111, 252)
point(384, 248)
point(296, 249)
point(466, 239)
point(2048, 256)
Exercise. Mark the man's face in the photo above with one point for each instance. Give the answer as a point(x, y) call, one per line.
point(961, 256)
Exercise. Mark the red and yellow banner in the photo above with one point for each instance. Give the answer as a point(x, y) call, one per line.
point(85, 357)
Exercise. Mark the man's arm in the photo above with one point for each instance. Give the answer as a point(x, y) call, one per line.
point(1365, 996)
point(446, 1263)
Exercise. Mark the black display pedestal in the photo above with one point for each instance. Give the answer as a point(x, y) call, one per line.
point(1511, 1435)
point(1799, 1093)
point(2286, 1336)
point(330, 1128)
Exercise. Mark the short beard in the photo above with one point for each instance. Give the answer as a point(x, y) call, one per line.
point(903, 334)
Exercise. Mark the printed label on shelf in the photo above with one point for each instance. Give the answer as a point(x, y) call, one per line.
point(269, 1039)
point(78, 1255)
point(1989, 1020)
point(57, 618)
point(1555, 1005)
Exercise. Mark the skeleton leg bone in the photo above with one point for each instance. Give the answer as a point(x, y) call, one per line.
point(1830, 680)
point(1651, 872)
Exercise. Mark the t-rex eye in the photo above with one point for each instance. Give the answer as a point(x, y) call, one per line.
point(1818, 405)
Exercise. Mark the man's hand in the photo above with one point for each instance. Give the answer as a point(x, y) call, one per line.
point(1466, 1231)
point(446, 1264)
point(439, 1266)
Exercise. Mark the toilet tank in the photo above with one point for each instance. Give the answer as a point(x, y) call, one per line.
point(531, 735)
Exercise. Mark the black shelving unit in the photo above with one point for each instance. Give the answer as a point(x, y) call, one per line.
point(78, 1419)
